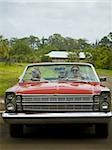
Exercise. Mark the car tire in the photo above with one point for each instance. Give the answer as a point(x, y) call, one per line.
point(101, 130)
point(16, 130)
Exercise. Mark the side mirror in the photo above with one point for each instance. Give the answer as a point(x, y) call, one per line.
point(103, 79)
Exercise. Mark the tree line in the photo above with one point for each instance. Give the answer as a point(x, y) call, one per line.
point(33, 49)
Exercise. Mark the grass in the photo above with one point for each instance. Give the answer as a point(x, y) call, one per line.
point(104, 72)
point(9, 75)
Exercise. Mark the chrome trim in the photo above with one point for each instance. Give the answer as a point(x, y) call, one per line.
point(58, 102)
point(57, 98)
point(55, 115)
point(46, 118)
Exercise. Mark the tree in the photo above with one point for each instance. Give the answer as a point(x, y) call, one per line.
point(106, 40)
point(33, 49)
point(56, 40)
point(46, 59)
point(73, 56)
point(102, 57)
point(70, 44)
point(5, 49)
point(82, 44)
point(34, 42)
point(21, 52)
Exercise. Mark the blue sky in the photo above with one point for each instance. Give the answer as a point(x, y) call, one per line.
point(89, 19)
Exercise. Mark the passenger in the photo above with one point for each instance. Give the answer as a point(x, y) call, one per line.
point(62, 74)
point(36, 74)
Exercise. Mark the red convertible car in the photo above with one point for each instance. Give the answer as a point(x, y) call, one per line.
point(58, 93)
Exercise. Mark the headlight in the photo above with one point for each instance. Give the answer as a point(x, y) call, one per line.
point(104, 106)
point(10, 107)
point(105, 101)
point(10, 102)
point(105, 96)
point(10, 97)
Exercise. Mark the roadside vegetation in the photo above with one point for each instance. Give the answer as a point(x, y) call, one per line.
point(33, 49)
point(15, 53)
point(9, 75)
point(105, 72)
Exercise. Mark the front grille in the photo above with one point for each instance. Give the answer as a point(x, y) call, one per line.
point(56, 103)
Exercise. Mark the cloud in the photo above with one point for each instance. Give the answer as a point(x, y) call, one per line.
point(90, 20)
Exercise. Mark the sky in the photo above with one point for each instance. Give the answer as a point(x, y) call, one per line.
point(88, 19)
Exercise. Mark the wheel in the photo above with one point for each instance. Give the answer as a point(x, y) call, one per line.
point(101, 130)
point(16, 130)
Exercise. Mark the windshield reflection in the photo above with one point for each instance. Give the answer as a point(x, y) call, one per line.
point(69, 72)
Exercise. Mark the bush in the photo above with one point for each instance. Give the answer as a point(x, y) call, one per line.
point(102, 57)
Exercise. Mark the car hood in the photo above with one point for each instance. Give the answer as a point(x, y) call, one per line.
point(58, 88)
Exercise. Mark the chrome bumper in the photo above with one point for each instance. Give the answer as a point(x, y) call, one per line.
point(46, 118)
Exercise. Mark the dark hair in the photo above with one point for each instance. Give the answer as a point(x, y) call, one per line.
point(75, 67)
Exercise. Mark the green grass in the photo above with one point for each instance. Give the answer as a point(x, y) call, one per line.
point(104, 72)
point(9, 75)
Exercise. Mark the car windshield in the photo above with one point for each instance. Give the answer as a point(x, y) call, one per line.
point(70, 72)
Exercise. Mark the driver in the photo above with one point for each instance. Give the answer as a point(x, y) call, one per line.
point(76, 72)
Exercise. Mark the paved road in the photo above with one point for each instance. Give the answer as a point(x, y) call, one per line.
point(54, 138)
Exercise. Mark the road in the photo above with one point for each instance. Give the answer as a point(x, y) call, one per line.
point(54, 138)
